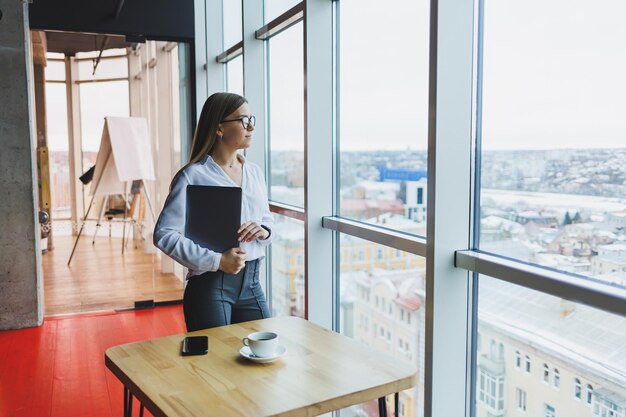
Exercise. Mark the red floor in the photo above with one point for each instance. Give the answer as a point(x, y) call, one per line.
point(58, 370)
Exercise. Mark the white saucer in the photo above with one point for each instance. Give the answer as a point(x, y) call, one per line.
point(247, 353)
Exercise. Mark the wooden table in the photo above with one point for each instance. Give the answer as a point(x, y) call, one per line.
point(321, 371)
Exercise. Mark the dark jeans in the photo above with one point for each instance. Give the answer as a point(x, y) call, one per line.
point(216, 298)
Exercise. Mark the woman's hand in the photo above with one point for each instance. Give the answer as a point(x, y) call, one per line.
point(233, 261)
point(250, 231)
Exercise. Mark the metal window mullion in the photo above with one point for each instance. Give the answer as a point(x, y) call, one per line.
point(376, 234)
point(559, 284)
point(475, 190)
point(282, 22)
point(449, 291)
point(254, 87)
point(318, 157)
point(230, 54)
point(336, 162)
point(74, 141)
point(287, 210)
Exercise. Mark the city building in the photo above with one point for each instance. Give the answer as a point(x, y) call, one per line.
point(555, 358)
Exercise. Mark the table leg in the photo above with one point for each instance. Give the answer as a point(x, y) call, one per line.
point(128, 403)
point(126, 392)
point(396, 398)
point(382, 407)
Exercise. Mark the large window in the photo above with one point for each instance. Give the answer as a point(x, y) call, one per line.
point(529, 321)
point(491, 392)
point(103, 92)
point(525, 112)
point(57, 136)
point(553, 184)
point(287, 268)
point(383, 112)
point(607, 407)
point(382, 305)
point(286, 116)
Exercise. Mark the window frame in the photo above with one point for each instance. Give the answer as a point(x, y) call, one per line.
point(546, 373)
point(520, 399)
point(589, 395)
point(578, 389)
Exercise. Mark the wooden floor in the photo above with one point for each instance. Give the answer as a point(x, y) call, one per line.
point(58, 369)
point(101, 278)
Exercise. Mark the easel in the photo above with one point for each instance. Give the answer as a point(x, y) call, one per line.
point(129, 212)
point(126, 138)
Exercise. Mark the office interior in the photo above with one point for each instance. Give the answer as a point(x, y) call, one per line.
point(446, 179)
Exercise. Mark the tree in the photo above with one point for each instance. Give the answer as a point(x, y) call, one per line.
point(567, 220)
point(577, 218)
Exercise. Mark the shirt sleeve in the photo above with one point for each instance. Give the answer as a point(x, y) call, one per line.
point(266, 220)
point(169, 232)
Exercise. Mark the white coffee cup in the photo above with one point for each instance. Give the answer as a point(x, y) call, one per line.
point(262, 344)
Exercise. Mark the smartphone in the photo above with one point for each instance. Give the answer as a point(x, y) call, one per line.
point(195, 345)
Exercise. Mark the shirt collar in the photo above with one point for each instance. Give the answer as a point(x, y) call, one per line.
point(208, 160)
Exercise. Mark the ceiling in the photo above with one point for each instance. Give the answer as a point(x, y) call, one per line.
point(71, 42)
point(162, 20)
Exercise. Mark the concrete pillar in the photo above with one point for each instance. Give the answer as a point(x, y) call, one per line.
point(20, 258)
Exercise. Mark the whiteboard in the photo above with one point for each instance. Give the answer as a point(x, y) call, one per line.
point(125, 154)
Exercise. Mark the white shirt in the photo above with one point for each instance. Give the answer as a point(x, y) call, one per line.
point(169, 232)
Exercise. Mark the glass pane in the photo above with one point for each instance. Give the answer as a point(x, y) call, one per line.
point(97, 101)
point(383, 112)
point(553, 185)
point(107, 68)
point(231, 11)
point(274, 8)
point(55, 71)
point(58, 145)
point(382, 305)
point(287, 278)
point(286, 116)
point(585, 345)
point(234, 75)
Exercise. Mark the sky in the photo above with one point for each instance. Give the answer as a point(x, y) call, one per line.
point(554, 74)
point(553, 77)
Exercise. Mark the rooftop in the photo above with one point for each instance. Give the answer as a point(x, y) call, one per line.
point(587, 337)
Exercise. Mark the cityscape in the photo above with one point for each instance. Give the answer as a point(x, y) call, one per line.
point(563, 209)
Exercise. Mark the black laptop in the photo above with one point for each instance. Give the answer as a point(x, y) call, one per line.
point(213, 216)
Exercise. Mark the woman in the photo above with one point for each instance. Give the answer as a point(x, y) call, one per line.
point(222, 288)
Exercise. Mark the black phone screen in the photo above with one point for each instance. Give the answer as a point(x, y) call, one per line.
point(195, 345)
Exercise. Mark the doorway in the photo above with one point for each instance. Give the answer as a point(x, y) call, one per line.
point(88, 77)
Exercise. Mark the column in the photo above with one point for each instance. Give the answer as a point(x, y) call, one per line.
point(20, 271)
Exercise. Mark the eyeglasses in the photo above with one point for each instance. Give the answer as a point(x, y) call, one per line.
point(246, 121)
